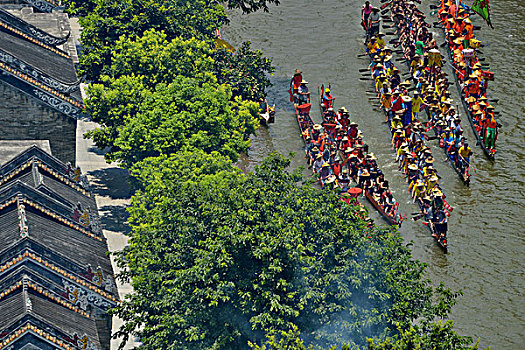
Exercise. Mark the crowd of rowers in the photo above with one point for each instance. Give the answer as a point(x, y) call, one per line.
point(403, 111)
point(336, 152)
point(463, 45)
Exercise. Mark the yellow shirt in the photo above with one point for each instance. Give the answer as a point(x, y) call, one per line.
point(397, 124)
point(373, 47)
point(464, 151)
point(386, 101)
point(416, 104)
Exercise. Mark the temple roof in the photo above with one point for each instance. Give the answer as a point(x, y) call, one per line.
point(51, 63)
point(26, 308)
point(31, 61)
point(47, 165)
point(80, 247)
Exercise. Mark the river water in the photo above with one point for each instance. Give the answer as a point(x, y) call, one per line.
point(486, 235)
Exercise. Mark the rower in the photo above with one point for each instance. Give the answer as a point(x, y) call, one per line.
point(344, 180)
point(374, 22)
point(418, 191)
point(440, 224)
point(386, 103)
point(296, 82)
point(372, 47)
point(389, 202)
point(365, 13)
point(380, 41)
point(413, 173)
point(319, 161)
point(325, 171)
point(407, 110)
point(395, 79)
point(327, 99)
point(491, 125)
point(336, 166)
point(464, 151)
point(304, 94)
point(472, 87)
point(353, 130)
point(417, 101)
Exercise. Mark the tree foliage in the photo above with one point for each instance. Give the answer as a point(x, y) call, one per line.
point(222, 259)
point(157, 60)
point(428, 336)
point(246, 71)
point(138, 123)
point(108, 20)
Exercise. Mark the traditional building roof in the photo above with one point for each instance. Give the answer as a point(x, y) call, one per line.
point(44, 5)
point(56, 280)
point(46, 164)
point(26, 312)
point(30, 31)
point(31, 61)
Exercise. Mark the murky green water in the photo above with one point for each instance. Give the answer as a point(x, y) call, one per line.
point(486, 235)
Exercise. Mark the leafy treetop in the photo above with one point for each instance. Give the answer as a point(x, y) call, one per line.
point(217, 260)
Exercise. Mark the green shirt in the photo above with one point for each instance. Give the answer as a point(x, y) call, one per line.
point(419, 47)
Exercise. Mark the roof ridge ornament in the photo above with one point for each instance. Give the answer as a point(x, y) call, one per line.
point(24, 231)
point(32, 30)
point(33, 74)
point(27, 299)
point(43, 5)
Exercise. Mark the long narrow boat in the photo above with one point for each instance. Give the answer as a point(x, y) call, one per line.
point(395, 219)
point(464, 176)
point(489, 153)
point(441, 241)
point(305, 122)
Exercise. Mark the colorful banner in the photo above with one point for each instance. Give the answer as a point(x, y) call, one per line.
point(483, 9)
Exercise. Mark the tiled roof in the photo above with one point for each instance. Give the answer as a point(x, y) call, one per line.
point(79, 247)
point(30, 30)
point(24, 311)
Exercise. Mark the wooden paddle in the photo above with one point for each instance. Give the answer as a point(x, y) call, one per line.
point(364, 70)
point(385, 11)
point(362, 55)
point(417, 217)
point(363, 78)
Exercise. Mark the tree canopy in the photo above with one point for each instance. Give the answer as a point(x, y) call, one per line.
point(220, 259)
point(138, 123)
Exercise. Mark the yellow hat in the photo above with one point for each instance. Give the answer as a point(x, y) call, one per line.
point(327, 90)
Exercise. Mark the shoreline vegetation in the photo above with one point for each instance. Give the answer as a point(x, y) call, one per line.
point(217, 258)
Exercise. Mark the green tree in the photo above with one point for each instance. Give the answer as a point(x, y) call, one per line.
point(157, 60)
point(109, 20)
point(429, 336)
point(246, 71)
point(222, 259)
point(138, 123)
